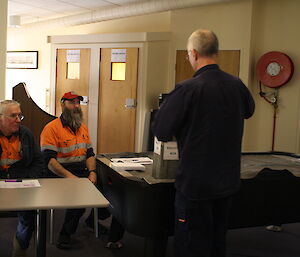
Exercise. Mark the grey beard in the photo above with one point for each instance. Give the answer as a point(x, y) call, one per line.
point(73, 119)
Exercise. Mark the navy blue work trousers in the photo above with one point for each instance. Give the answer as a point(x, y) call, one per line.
point(201, 226)
point(71, 221)
point(25, 227)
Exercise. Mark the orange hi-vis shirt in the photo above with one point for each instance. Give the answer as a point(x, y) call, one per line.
point(70, 147)
point(11, 151)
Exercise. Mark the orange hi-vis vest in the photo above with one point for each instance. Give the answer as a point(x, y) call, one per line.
point(11, 151)
point(70, 147)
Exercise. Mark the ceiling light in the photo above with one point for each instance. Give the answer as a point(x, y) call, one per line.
point(14, 21)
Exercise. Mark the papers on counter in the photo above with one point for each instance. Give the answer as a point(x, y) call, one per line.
point(120, 166)
point(140, 160)
point(11, 183)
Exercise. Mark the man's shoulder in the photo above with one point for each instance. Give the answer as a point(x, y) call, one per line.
point(52, 125)
point(25, 130)
point(55, 122)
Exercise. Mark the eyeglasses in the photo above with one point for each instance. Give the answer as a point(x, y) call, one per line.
point(14, 116)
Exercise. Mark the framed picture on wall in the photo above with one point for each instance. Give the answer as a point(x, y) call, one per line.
point(22, 59)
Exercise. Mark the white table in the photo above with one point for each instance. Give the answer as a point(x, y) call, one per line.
point(54, 193)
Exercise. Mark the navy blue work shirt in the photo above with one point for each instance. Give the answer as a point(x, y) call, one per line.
point(206, 115)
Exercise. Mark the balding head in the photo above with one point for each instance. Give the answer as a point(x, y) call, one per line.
point(205, 42)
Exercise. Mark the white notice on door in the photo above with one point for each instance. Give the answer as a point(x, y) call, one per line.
point(73, 55)
point(118, 55)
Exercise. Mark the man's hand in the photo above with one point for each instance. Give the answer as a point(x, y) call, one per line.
point(93, 177)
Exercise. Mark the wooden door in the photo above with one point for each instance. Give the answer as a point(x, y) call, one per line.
point(228, 60)
point(116, 122)
point(72, 74)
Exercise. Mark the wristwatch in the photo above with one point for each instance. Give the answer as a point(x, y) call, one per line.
point(92, 171)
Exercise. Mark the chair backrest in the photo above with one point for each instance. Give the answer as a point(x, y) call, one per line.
point(35, 118)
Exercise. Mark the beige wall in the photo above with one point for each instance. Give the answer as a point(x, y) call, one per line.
point(36, 40)
point(3, 28)
point(275, 28)
point(158, 67)
point(252, 26)
point(230, 21)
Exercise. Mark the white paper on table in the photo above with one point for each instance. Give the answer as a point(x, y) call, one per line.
point(119, 166)
point(140, 160)
point(24, 184)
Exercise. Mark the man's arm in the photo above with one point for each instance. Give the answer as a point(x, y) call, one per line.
point(59, 170)
point(91, 165)
point(171, 114)
point(249, 103)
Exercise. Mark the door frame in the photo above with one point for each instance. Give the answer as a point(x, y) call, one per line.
point(95, 42)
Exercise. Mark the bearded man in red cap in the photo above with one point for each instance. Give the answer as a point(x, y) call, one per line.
point(67, 149)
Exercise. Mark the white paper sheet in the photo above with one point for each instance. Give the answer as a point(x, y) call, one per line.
point(140, 160)
point(24, 184)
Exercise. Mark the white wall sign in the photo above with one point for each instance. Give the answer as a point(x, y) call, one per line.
point(85, 100)
point(118, 55)
point(73, 55)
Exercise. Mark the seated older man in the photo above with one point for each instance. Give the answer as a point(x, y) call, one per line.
point(20, 158)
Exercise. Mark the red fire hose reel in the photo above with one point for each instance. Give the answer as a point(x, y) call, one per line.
point(274, 69)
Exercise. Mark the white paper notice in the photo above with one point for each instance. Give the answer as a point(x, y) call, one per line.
point(73, 55)
point(118, 55)
point(170, 151)
point(9, 183)
point(157, 146)
point(141, 160)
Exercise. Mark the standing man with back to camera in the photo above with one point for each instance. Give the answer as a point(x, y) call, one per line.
point(206, 116)
point(20, 158)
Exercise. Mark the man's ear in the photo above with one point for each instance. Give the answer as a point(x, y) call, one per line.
point(195, 54)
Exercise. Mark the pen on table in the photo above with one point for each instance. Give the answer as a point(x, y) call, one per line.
point(13, 180)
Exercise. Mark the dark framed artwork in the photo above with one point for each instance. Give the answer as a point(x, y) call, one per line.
point(22, 59)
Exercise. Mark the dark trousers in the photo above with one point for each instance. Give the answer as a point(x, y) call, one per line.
point(25, 227)
point(116, 231)
point(201, 226)
point(71, 221)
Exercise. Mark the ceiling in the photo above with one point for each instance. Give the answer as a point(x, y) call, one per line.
point(32, 11)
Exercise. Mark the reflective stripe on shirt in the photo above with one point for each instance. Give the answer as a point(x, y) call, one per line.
point(9, 162)
point(71, 159)
point(66, 149)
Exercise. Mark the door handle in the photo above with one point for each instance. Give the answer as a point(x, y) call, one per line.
point(130, 103)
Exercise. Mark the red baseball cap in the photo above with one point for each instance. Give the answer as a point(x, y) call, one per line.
point(70, 96)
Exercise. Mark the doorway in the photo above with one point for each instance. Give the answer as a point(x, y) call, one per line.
point(228, 61)
point(72, 74)
point(117, 100)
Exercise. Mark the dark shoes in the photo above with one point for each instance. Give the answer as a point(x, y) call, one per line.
point(114, 245)
point(274, 228)
point(64, 242)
